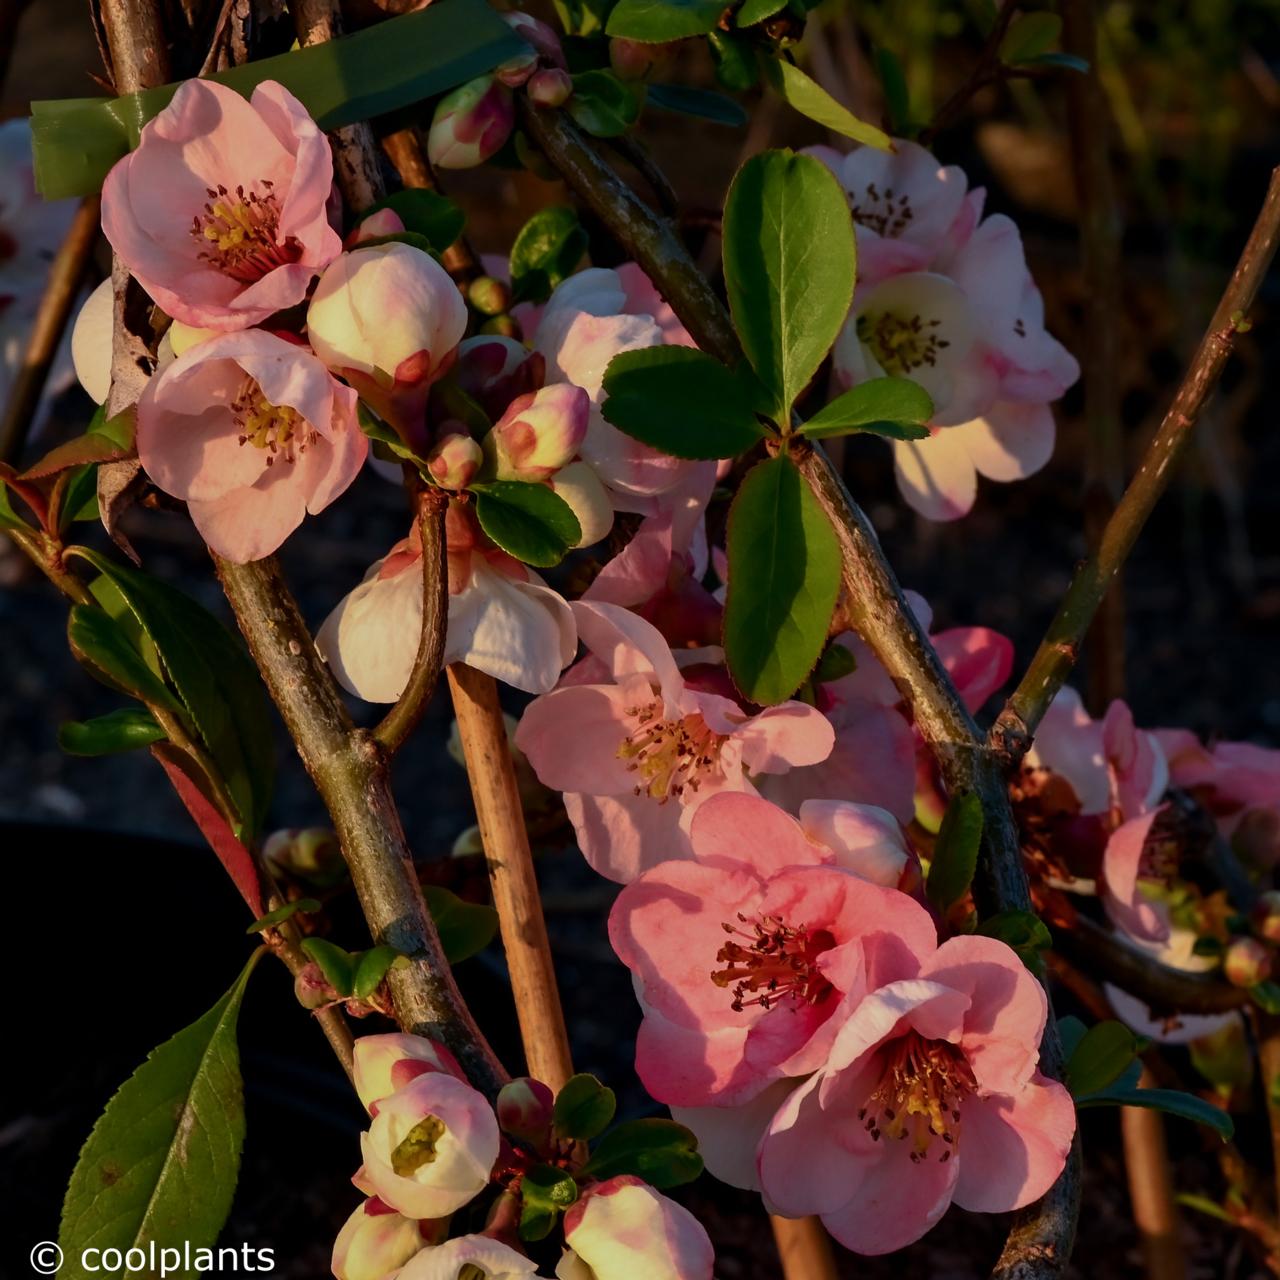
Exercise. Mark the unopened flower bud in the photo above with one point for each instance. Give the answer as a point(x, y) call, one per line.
point(515, 71)
point(550, 87)
point(388, 1062)
point(542, 37)
point(494, 369)
point(431, 1146)
point(524, 1111)
point(311, 854)
point(588, 499)
point(1247, 962)
point(386, 222)
point(454, 461)
point(1265, 915)
point(637, 60)
point(312, 988)
point(539, 432)
point(623, 1228)
point(470, 124)
point(374, 1243)
point(490, 297)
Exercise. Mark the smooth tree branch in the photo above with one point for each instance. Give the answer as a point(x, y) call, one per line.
point(1016, 725)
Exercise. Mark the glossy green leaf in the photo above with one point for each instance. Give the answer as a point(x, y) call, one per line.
point(550, 245)
point(9, 519)
point(784, 574)
point(527, 521)
point(835, 663)
point(602, 104)
point(1024, 932)
point(736, 62)
point(388, 65)
point(955, 852)
point(680, 401)
point(893, 407)
point(104, 646)
point(753, 11)
point(809, 98)
point(370, 969)
point(1170, 1101)
point(701, 104)
point(424, 213)
point(663, 1153)
point(465, 928)
point(1102, 1056)
point(161, 1163)
point(80, 501)
point(788, 266)
point(1029, 35)
point(657, 21)
point(545, 1192)
point(104, 440)
point(217, 683)
point(117, 731)
point(281, 914)
point(336, 963)
point(583, 1108)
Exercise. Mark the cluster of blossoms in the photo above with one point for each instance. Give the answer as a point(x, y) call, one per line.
point(434, 1145)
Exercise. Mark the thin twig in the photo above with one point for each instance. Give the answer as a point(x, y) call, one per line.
point(515, 887)
point(1014, 729)
point(63, 287)
point(403, 718)
point(986, 70)
point(1151, 1190)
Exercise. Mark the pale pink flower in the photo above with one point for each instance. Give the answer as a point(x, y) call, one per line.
point(623, 1229)
point(374, 1243)
point(636, 753)
point(929, 1095)
point(388, 319)
point(1128, 859)
point(385, 1063)
point(748, 958)
point(430, 1148)
point(1234, 776)
point(253, 433)
point(468, 1256)
point(503, 619)
point(221, 211)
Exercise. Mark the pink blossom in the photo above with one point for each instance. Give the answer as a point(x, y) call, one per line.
point(623, 1229)
point(929, 1095)
point(471, 124)
point(539, 433)
point(221, 212)
point(253, 433)
point(385, 1063)
point(374, 1243)
point(467, 1256)
point(748, 958)
point(503, 619)
point(1235, 776)
point(1127, 860)
point(636, 751)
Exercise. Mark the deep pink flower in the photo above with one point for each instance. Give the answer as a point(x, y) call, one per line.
point(220, 213)
point(253, 433)
point(749, 958)
point(929, 1095)
point(635, 753)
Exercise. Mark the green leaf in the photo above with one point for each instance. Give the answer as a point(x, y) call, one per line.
point(1101, 1058)
point(1063, 61)
point(1071, 1031)
point(545, 252)
point(1022, 931)
point(388, 65)
point(80, 501)
point(1171, 1101)
point(1266, 995)
point(602, 105)
point(657, 21)
point(9, 519)
point(835, 663)
point(810, 99)
point(103, 441)
point(103, 645)
point(955, 853)
point(424, 213)
point(663, 1153)
point(281, 914)
point(527, 521)
point(702, 104)
point(583, 1108)
point(788, 266)
point(123, 730)
point(736, 63)
point(545, 1192)
point(582, 17)
point(213, 676)
point(1029, 35)
point(895, 407)
point(753, 11)
point(370, 969)
point(162, 1161)
point(784, 574)
point(893, 81)
point(1204, 1205)
point(680, 401)
point(336, 963)
point(379, 431)
point(465, 928)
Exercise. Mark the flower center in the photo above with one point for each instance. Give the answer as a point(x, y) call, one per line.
point(901, 343)
point(919, 1094)
point(773, 962)
point(418, 1147)
point(280, 428)
point(884, 212)
point(237, 233)
point(670, 756)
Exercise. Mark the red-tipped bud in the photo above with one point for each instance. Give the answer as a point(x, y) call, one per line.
point(539, 432)
point(375, 1243)
point(1247, 962)
point(550, 87)
point(470, 124)
point(524, 1111)
point(454, 461)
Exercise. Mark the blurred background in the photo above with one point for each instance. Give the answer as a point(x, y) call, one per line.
point(119, 921)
